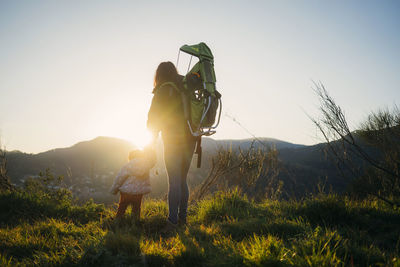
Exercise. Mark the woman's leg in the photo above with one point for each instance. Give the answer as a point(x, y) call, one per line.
point(186, 161)
point(173, 163)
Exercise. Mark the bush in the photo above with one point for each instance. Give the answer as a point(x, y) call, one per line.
point(376, 145)
point(20, 206)
point(225, 206)
point(327, 210)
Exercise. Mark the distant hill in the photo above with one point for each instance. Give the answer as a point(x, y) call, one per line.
point(245, 143)
point(104, 154)
point(95, 163)
point(210, 143)
point(97, 156)
point(304, 167)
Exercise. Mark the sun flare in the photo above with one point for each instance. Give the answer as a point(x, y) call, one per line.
point(141, 138)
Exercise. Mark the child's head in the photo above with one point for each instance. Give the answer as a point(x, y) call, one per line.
point(135, 154)
point(148, 153)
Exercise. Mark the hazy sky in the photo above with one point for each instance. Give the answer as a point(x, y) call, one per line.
point(75, 70)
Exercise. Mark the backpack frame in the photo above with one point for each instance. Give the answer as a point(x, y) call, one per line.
point(202, 105)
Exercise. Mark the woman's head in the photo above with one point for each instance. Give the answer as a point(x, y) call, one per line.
point(166, 72)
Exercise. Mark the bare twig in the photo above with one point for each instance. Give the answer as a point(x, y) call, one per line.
point(382, 129)
point(5, 183)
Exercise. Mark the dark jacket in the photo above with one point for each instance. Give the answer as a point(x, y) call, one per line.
point(166, 114)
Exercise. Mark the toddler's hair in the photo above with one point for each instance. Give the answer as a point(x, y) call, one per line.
point(148, 153)
point(135, 153)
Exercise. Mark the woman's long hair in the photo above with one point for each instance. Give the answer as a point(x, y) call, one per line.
point(166, 72)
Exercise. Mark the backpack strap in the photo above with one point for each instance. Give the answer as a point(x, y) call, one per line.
point(198, 151)
point(184, 98)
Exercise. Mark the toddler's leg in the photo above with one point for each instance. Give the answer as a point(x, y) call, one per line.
point(123, 204)
point(136, 203)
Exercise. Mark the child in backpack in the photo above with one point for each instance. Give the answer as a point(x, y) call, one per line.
point(133, 181)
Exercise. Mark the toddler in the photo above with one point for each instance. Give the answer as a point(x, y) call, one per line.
point(133, 182)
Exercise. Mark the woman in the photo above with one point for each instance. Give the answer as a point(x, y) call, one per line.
point(166, 116)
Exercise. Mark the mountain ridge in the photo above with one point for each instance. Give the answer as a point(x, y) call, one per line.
point(104, 154)
point(94, 163)
point(100, 139)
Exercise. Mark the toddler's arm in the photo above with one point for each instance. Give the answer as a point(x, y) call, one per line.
point(119, 180)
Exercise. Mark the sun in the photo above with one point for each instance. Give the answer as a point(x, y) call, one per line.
point(141, 138)
point(135, 131)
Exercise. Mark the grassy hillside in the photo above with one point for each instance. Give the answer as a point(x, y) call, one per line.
point(224, 230)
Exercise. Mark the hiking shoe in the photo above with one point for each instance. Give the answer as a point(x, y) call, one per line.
point(168, 227)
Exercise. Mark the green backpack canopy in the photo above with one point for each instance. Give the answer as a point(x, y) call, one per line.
point(201, 100)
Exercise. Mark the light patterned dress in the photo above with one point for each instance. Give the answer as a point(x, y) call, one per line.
point(133, 178)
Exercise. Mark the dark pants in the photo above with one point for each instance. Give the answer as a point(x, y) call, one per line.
point(177, 157)
point(129, 199)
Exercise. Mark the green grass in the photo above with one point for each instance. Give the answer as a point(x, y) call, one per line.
point(224, 230)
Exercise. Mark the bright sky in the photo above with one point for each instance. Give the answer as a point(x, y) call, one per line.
point(75, 70)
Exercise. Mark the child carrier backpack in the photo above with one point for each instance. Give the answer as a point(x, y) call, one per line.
point(201, 101)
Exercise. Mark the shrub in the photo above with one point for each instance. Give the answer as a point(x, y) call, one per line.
point(376, 144)
point(20, 206)
point(225, 206)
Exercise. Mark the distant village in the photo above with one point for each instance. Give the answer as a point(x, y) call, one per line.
point(84, 187)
